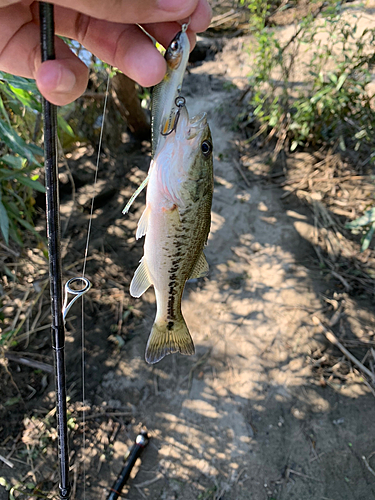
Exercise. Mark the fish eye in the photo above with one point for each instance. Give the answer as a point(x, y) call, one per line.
point(174, 45)
point(206, 148)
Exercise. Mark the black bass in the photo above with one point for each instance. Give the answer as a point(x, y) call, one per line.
point(176, 222)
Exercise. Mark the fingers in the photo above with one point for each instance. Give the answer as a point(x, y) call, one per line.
point(135, 11)
point(122, 45)
point(59, 81)
point(201, 17)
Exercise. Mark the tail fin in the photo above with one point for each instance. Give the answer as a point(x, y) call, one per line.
point(167, 338)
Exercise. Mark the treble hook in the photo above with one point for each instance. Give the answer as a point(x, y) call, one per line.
point(180, 103)
point(78, 293)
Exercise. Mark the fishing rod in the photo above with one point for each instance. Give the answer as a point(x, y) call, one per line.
point(60, 308)
point(47, 33)
point(140, 442)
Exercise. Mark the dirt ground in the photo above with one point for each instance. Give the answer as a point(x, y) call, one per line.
point(251, 415)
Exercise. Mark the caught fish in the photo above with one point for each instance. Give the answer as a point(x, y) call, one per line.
point(163, 108)
point(176, 222)
point(163, 99)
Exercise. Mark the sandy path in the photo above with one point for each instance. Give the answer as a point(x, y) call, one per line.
point(245, 418)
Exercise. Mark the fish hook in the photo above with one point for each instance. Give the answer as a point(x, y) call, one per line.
point(180, 103)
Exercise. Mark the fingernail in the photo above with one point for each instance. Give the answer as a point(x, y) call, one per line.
point(66, 81)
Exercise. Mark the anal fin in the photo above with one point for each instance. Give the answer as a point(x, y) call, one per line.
point(200, 269)
point(141, 280)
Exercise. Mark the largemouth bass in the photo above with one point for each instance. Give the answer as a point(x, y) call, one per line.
point(176, 222)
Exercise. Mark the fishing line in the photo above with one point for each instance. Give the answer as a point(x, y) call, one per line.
point(83, 361)
point(96, 175)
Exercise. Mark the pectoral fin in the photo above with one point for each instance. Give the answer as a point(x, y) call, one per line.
point(141, 280)
point(200, 269)
point(143, 223)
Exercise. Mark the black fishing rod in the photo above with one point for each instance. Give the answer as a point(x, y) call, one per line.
point(60, 308)
point(47, 33)
point(140, 442)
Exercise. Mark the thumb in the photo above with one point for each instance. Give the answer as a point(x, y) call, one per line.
point(63, 80)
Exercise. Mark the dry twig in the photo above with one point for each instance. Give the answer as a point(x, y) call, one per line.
point(368, 466)
point(6, 462)
point(38, 365)
point(334, 340)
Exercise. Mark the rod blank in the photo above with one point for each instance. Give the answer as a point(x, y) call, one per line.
point(47, 33)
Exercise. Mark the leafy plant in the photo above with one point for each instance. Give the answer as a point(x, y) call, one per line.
point(20, 158)
point(366, 224)
point(333, 106)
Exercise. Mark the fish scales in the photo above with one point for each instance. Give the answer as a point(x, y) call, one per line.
point(176, 222)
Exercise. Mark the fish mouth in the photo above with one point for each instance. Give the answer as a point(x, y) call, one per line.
point(187, 128)
point(197, 124)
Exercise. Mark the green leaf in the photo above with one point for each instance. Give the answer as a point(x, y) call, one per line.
point(26, 98)
point(11, 208)
point(4, 111)
point(341, 81)
point(20, 200)
point(64, 125)
point(315, 98)
point(366, 219)
point(294, 145)
point(368, 237)
point(3, 482)
point(14, 233)
point(332, 77)
point(19, 82)
point(12, 401)
point(27, 225)
point(26, 181)
point(14, 161)
point(36, 150)
point(16, 143)
point(4, 222)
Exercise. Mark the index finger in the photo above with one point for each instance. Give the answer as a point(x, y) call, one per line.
point(126, 11)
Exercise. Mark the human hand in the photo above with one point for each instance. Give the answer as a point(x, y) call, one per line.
point(107, 29)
